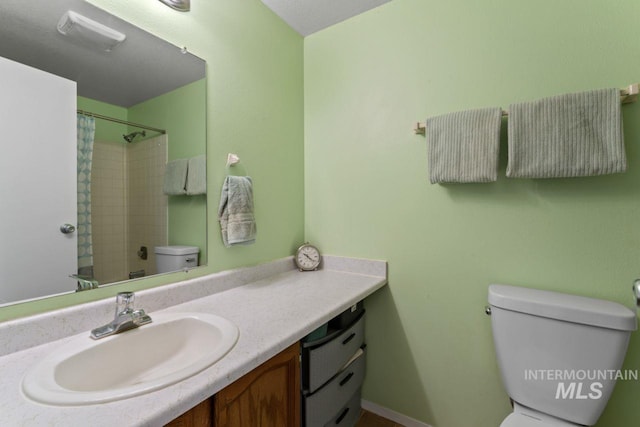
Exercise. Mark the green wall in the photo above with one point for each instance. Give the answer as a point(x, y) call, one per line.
point(182, 114)
point(367, 81)
point(254, 109)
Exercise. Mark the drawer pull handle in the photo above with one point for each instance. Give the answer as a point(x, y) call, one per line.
point(349, 338)
point(346, 379)
point(342, 415)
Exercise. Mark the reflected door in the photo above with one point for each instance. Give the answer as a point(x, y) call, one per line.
point(38, 128)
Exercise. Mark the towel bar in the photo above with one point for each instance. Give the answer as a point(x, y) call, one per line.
point(628, 95)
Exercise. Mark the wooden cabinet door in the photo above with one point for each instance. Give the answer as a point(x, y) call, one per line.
point(199, 416)
point(268, 396)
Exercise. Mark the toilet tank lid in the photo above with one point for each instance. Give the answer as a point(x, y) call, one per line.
point(556, 305)
point(177, 250)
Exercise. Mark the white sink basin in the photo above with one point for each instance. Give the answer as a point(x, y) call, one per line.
point(85, 371)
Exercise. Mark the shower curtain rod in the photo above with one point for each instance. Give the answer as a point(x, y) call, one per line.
point(124, 122)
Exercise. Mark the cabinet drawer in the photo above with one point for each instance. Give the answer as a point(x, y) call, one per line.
point(324, 361)
point(349, 415)
point(332, 398)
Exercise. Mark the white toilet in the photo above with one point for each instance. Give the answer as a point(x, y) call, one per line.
point(176, 258)
point(558, 354)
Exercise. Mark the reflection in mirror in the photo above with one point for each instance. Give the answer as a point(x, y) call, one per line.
point(103, 151)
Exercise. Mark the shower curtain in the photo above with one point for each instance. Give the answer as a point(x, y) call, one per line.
point(86, 132)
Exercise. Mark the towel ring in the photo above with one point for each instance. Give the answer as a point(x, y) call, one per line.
point(232, 159)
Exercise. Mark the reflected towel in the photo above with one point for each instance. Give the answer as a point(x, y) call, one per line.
point(570, 135)
point(197, 176)
point(464, 146)
point(235, 212)
point(175, 177)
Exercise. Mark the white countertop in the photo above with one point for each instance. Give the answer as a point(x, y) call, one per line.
point(271, 313)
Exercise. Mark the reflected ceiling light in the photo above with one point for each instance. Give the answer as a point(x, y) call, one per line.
point(89, 32)
point(181, 5)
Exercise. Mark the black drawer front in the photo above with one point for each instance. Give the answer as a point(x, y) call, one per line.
point(324, 361)
point(332, 399)
point(348, 415)
point(348, 316)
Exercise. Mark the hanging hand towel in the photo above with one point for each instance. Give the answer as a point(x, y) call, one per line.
point(197, 176)
point(570, 135)
point(235, 213)
point(175, 177)
point(464, 146)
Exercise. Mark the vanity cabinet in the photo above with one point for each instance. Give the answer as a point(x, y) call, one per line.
point(268, 396)
point(324, 391)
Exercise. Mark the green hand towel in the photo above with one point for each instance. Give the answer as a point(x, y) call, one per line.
point(463, 146)
point(197, 176)
point(578, 134)
point(175, 177)
point(235, 212)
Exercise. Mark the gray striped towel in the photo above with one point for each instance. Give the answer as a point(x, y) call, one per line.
point(570, 135)
point(464, 146)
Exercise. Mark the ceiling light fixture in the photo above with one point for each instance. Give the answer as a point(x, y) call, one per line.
point(89, 32)
point(180, 5)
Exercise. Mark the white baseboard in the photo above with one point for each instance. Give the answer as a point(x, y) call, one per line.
point(394, 416)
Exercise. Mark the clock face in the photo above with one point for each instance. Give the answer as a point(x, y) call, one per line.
point(307, 258)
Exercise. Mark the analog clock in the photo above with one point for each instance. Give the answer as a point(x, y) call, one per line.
point(307, 257)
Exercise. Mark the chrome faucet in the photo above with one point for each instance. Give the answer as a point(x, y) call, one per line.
point(126, 317)
point(85, 282)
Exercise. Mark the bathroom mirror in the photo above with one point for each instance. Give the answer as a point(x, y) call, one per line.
point(146, 100)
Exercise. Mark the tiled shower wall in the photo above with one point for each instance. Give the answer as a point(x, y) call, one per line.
point(108, 211)
point(147, 204)
point(129, 209)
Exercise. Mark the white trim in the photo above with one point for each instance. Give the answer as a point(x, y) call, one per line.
point(394, 416)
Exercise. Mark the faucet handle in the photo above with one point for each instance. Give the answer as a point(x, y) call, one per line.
point(124, 302)
point(140, 318)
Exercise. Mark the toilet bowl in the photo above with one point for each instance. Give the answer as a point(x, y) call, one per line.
point(558, 354)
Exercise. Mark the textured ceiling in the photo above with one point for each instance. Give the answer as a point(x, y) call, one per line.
point(143, 67)
point(309, 16)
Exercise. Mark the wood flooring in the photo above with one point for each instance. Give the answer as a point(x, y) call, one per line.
point(368, 419)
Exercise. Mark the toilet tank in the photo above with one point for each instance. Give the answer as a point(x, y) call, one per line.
point(559, 354)
point(175, 258)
